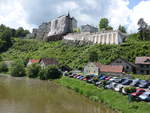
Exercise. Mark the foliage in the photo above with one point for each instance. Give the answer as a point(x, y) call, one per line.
point(144, 30)
point(113, 99)
point(50, 72)
point(20, 32)
point(77, 30)
point(3, 67)
point(77, 56)
point(33, 70)
point(122, 29)
point(93, 56)
point(17, 69)
point(130, 89)
point(104, 24)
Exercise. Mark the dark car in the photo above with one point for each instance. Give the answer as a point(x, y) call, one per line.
point(127, 82)
point(144, 85)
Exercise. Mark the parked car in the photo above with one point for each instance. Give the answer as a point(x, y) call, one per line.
point(127, 82)
point(102, 77)
point(135, 82)
point(118, 87)
point(144, 85)
point(138, 92)
point(107, 78)
point(145, 96)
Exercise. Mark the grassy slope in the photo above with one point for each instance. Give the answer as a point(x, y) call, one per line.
point(113, 99)
point(77, 56)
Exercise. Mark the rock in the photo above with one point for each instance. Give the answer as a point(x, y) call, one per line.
point(55, 29)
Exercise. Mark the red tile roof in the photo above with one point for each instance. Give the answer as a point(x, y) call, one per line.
point(34, 61)
point(142, 60)
point(49, 61)
point(109, 68)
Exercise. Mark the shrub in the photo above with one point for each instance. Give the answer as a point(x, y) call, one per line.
point(33, 70)
point(50, 72)
point(130, 89)
point(3, 67)
point(17, 69)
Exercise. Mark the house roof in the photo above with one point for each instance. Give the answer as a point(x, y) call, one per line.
point(109, 68)
point(34, 61)
point(142, 60)
point(49, 61)
point(130, 63)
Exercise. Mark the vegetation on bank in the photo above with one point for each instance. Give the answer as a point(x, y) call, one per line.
point(112, 99)
point(18, 69)
point(76, 56)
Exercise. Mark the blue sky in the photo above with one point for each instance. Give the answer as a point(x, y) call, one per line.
point(31, 13)
point(133, 3)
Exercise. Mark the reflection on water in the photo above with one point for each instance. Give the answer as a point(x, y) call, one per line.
point(23, 95)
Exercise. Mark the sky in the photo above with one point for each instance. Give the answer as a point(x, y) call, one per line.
point(31, 13)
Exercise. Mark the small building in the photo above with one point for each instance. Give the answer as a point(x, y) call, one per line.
point(127, 66)
point(98, 68)
point(32, 61)
point(88, 28)
point(48, 61)
point(142, 65)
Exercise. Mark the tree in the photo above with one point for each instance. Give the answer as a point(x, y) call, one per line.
point(33, 70)
point(3, 67)
point(50, 72)
point(17, 69)
point(104, 24)
point(122, 29)
point(20, 32)
point(93, 56)
point(77, 30)
point(144, 30)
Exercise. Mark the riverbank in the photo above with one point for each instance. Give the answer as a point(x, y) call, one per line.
point(112, 99)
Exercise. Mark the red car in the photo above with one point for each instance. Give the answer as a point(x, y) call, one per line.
point(138, 92)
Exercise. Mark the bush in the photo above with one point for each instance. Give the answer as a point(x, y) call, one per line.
point(33, 70)
point(17, 69)
point(3, 67)
point(50, 72)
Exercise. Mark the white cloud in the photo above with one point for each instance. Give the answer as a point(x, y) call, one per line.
point(27, 13)
point(12, 14)
point(139, 11)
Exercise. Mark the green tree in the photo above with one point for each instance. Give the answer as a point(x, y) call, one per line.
point(17, 69)
point(93, 56)
point(104, 24)
point(3, 67)
point(122, 29)
point(77, 30)
point(33, 70)
point(20, 32)
point(50, 72)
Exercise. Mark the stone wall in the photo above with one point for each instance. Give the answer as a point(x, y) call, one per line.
point(107, 37)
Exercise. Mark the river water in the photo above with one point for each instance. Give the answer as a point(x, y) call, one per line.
point(23, 95)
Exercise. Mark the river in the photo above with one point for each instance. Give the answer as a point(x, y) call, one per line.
point(23, 95)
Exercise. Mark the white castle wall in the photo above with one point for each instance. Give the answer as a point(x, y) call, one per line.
point(111, 37)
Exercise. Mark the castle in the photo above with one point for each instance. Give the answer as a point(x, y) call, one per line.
point(62, 28)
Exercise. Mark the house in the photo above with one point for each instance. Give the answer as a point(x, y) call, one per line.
point(88, 28)
point(32, 61)
point(142, 65)
point(48, 61)
point(127, 66)
point(98, 68)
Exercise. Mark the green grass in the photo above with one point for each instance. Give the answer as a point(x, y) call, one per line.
point(112, 99)
point(143, 77)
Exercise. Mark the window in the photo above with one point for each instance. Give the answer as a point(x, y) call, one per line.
point(127, 67)
point(142, 71)
point(141, 65)
point(147, 66)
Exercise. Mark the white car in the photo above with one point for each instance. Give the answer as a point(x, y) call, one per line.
point(118, 87)
point(145, 96)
